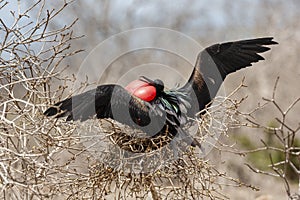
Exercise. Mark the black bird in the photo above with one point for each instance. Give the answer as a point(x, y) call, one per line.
point(154, 110)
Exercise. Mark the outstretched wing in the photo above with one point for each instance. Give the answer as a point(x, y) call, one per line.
point(217, 61)
point(107, 101)
point(113, 101)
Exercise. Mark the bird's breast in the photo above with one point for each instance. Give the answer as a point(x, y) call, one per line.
point(142, 90)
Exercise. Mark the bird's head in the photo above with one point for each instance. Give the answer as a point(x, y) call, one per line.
point(157, 83)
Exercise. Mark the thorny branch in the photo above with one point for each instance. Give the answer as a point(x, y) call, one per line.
point(285, 145)
point(31, 56)
point(48, 158)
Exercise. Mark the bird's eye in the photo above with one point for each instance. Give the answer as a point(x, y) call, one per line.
point(158, 82)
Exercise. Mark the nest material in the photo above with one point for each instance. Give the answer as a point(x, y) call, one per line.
point(138, 142)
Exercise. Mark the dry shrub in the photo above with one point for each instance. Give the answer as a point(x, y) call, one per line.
point(47, 158)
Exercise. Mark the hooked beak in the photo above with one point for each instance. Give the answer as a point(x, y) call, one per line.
point(147, 80)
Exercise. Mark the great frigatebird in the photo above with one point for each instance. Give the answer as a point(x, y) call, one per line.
point(155, 110)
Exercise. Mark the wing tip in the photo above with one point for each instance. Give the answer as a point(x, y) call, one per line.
point(269, 41)
point(51, 111)
point(263, 41)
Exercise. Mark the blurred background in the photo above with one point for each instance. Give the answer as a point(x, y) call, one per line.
point(208, 22)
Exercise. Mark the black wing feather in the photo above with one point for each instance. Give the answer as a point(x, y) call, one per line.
point(232, 56)
point(217, 61)
point(113, 101)
point(106, 101)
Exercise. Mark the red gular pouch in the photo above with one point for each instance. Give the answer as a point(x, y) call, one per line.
point(142, 90)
